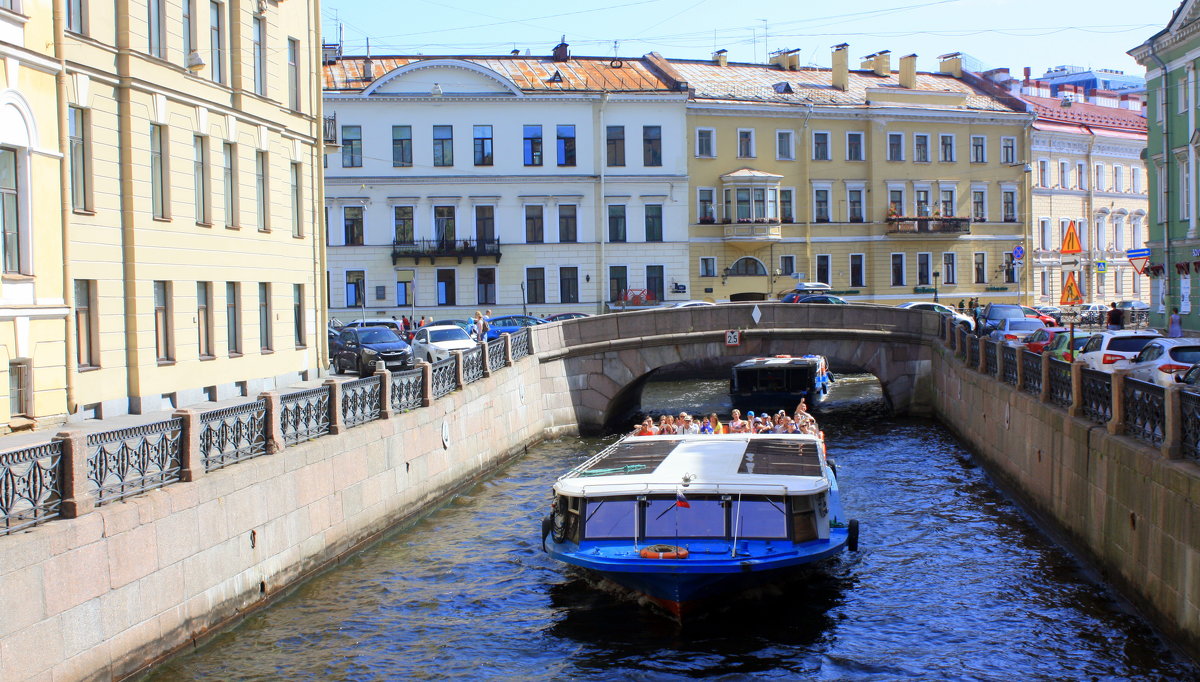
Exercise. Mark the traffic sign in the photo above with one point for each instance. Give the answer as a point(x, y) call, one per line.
point(1101, 266)
point(733, 337)
point(1139, 259)
point(1070, 242)
point(1069, 262)
point(1018, 252)
point(1071, 295)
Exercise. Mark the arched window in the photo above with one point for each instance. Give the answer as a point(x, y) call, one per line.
point(747, 267)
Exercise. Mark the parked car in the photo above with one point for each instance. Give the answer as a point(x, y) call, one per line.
point(465, 325)
point(1037, 341)
point(433, 343)
point(1064, 346)
point(1190, 377)
point(1161, 359)
point(1092, 313)
point(1133, 305)
point(390, 324)
point(510, 324)
point(957, 317)
point(1015, 329)
point(690, 304)
point(1051, 310)
point(559, 317)
point(1113, 350)
point(803, 289)
point(359, 348)
point(1047, 320)
point(992, 315)
point(822, 298)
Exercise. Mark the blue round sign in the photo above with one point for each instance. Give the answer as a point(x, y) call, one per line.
point(1018, 252)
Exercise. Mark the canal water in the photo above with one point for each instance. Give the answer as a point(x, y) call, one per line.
point(952, 581)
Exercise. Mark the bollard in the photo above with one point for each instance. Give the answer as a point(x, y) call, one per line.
point(508, 361)
point(487, 361)
point(385, 390)
point(191, 460)
point(1076, 408)
point(336, 424)
point(1116, 425)
point(76, 500)
point(1172, 445)
point(426, 383)
point(274, 425)
point(458, 369)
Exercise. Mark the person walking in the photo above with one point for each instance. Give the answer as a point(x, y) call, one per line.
point(1116, 318)
point(1175, 325)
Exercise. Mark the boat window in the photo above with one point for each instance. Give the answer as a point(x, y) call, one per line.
point(702, 518)
point(760, 518)
point(610, 518)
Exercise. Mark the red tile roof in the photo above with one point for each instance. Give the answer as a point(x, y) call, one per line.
point(1091, 115)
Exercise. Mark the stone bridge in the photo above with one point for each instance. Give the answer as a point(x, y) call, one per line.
point(594, 368)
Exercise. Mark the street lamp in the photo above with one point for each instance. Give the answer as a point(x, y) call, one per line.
point(936, 274)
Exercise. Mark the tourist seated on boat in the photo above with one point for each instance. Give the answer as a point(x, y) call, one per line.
point(711, 425)
point(646, 428)
point(689, 425)
point(736, 425)
point(664, 428)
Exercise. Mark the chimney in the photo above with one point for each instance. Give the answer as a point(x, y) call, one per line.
point(368, 69)
point(721, 57)
point(883, 63)
point(867, 63)
point(794, 63)
point(561, 54)
point(1028, 72)
point(841, 67)
point(786, 60)
point(908, 71)
point(951, 64)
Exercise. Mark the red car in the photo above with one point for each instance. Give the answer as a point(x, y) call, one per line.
point(1046, 319)
point(1037, 341)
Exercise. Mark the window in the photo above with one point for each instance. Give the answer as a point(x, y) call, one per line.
point(402, 225)
point(533, 145)
point(618, 282)
point(568, 285)
point(821, 205)
point(922, 196)
point(616, 223)
point(1162, 196)
point(1118, 178)
point(293, 56)
point(787, 265)
point(204, 319)
point(401, 146)
point(229, 183)
point(921, 148)
point(948, 202)
point(162, 321)
point(443, 145)
point(897, 269)
point(261, 180)
point(949, 268)
point(159, 179)
point(483, 145)
point(654, 222)
point(895, 202)
point(820, 150)
point(978, 149)
point(654, 282)
point(356, 288)
point(86, 354)
point(297, 201)
point(258, 53)
point(568, 226)
point(1043, 173)
point(535, 230)
point(946, 147)
point(785, 148)
point(981, 268)
point(75, 17)
point(858, 274)
point(351, 146)
point(651, 145)
point(444, 229)
point(786, 211)
point(1008, 150)
point(233, 317)
point(615, 145)
point(705, 212)
point(1045, 237)
point(1135, 181)
point(924, 269)
point(1008, 199)
point(200, 175)
point(854, 205)
point(823, 268)
point(217, 41)
point(352, 220)
point(895, 148)
point(706, 144)
point(20, 386)
point(748, 267)
point(79, 138)
point(745, 139)
point(1081, 179)
point(566, 145)
point(978, 205)
point(1100, 184)
point(1064, 175)
point(485, 224)
point(264, 306)
point(708, 267)
point(298, 314)
point(155, 30)
point(854, 147)
point(485, 286)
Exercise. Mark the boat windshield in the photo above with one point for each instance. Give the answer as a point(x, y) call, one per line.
point(707, 516)
point(700, 519)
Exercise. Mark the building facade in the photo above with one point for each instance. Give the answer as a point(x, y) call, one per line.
point(515, 184)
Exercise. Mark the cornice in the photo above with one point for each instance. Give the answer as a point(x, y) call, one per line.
point(425, 180)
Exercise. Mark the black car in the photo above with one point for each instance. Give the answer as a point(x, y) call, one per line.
point(359, 348)
point(995, 313)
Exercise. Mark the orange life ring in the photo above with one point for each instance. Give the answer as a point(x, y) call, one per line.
point(783, 356)
point(664, 552)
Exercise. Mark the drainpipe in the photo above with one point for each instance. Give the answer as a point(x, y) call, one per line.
point(804, 179)
point(601, 162)
point(64, 178)
point(1091, 216)
point(1166, 188)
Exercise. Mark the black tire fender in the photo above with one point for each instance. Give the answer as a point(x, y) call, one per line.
point(546, 525)
point(852, 536)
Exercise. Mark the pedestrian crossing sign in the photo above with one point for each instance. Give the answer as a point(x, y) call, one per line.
point(1070, 242)
point(1071, 295)
point(1101, 266)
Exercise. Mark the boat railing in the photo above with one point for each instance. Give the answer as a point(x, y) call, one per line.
point(698, 488)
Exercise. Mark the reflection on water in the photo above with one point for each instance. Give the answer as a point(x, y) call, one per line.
point(952, 581)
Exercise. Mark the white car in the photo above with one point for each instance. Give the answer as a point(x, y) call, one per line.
point(958, 318)
point(690, 304)
point(1107, 351)
point(1015, 329)
point(435, 343)
point(1162, 359)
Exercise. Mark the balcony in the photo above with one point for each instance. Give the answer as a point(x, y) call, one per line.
point(445, 248)
point(931, 225)
point(752, 235)
point(329, 128)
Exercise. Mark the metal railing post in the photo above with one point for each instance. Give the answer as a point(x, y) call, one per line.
point(426, 383)
point(508, 359)
point(336, 423)
point(1045, 396)
point(76, 499)
point(458, 369)
point(1172, 445)
point(1117, 423)
point(487, 360)
point(1019, 357)
point(1076, 408)
point(273, 403)
point(191, 460)
point(981, 343)
point(385, 390)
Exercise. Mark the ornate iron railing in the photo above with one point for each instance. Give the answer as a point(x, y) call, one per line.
point(30, 486)
point(232, 434)
point(973, 352)
point(990, 353)
point(1031, 372)
point(130, 461)
point(942, 326)
point(520, 344)
point(361, 401)
point(961, 345)
point(495, 351)
point(1060, 383)
point(1009, 354)
point(407, 390)
point(445, 376)
point(1189, 409)
point(305, 414)
point(472, 365)
point(1096, 398)
point(1144, 407)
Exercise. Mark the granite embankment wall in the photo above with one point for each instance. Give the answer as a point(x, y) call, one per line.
point(106, 594)
point(1132, 511)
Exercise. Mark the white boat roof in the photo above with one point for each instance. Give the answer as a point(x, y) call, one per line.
point(738, 463)
point(795, 360)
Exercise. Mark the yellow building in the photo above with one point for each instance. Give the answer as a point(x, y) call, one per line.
point(887, 185)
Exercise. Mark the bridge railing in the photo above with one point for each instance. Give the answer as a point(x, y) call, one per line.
point(76, 470)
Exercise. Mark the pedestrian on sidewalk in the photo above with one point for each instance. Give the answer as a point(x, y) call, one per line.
point(1175, 326)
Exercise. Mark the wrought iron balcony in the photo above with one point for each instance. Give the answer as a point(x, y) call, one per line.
point(929, 225)
point(445, 248)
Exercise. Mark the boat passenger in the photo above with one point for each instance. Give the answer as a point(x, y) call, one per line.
point(665, 427)
point(736, 425)
point(647, 428)
point(689, 425)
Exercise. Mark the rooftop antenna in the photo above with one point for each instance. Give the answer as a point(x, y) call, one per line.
point(616, 48)
point(766, 43)
point(368, 47)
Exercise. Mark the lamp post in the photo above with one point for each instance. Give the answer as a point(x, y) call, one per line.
point(936, 274)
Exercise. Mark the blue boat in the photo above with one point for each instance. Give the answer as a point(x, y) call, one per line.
point(691, 521)
point(765, 383)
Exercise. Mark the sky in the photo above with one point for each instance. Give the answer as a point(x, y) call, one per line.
point(1000, 33)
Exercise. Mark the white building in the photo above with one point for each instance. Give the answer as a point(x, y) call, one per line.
point(549, 184)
